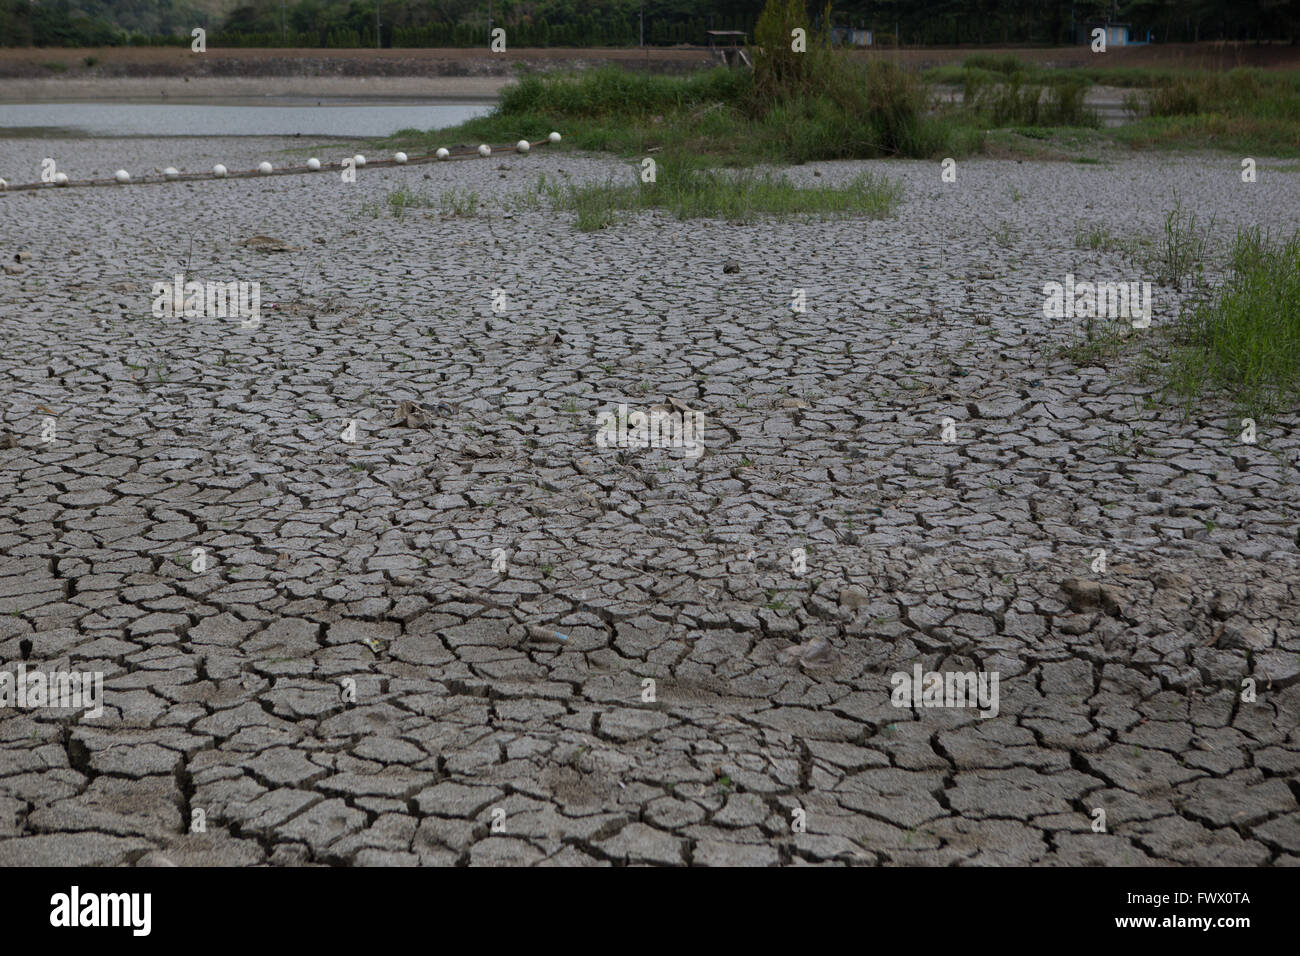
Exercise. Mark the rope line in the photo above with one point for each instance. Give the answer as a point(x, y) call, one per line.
point(154, 179)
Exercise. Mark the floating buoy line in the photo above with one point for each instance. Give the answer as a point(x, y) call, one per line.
point(313, 165)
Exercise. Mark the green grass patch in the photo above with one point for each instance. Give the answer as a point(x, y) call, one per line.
point(451, 202)
point(1240, 135)
point(1256, 93)
point(1244, 339)
point(1241, 111)
point(1097, 237)
point(690, 190)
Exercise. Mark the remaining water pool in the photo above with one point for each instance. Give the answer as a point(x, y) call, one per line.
point(283, 117)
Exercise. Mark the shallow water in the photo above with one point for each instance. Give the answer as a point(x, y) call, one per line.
point(285, 117)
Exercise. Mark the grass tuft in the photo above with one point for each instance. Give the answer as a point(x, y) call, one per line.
point(1181, 251)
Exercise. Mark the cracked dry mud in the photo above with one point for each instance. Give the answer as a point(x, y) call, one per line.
point(373, 561)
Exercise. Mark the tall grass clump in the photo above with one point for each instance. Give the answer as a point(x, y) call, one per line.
point(1244, 340)
point(1012, 100)
point(995, 63)
point(1064, 106)
point(791, 107)
point(1176, 99)
point(1181, 251)
point(819, 104)
point(781, 72)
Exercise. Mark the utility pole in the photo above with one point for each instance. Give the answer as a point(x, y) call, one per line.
point(378, 42)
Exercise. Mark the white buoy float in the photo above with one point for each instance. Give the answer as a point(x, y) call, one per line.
point(554, 137)
point(219, 171)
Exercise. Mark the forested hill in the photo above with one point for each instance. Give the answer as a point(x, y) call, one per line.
point(416, 23)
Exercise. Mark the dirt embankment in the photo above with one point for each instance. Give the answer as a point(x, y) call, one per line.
point(177, 74)
point(128, 62)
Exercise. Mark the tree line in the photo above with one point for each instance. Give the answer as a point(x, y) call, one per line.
point(465, 23)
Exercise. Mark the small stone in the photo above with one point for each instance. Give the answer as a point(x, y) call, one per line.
point(545, 635)
point(411, 415)
point(1085, 594)
point(854, 598)
point(818, 653)
point(267, 244)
